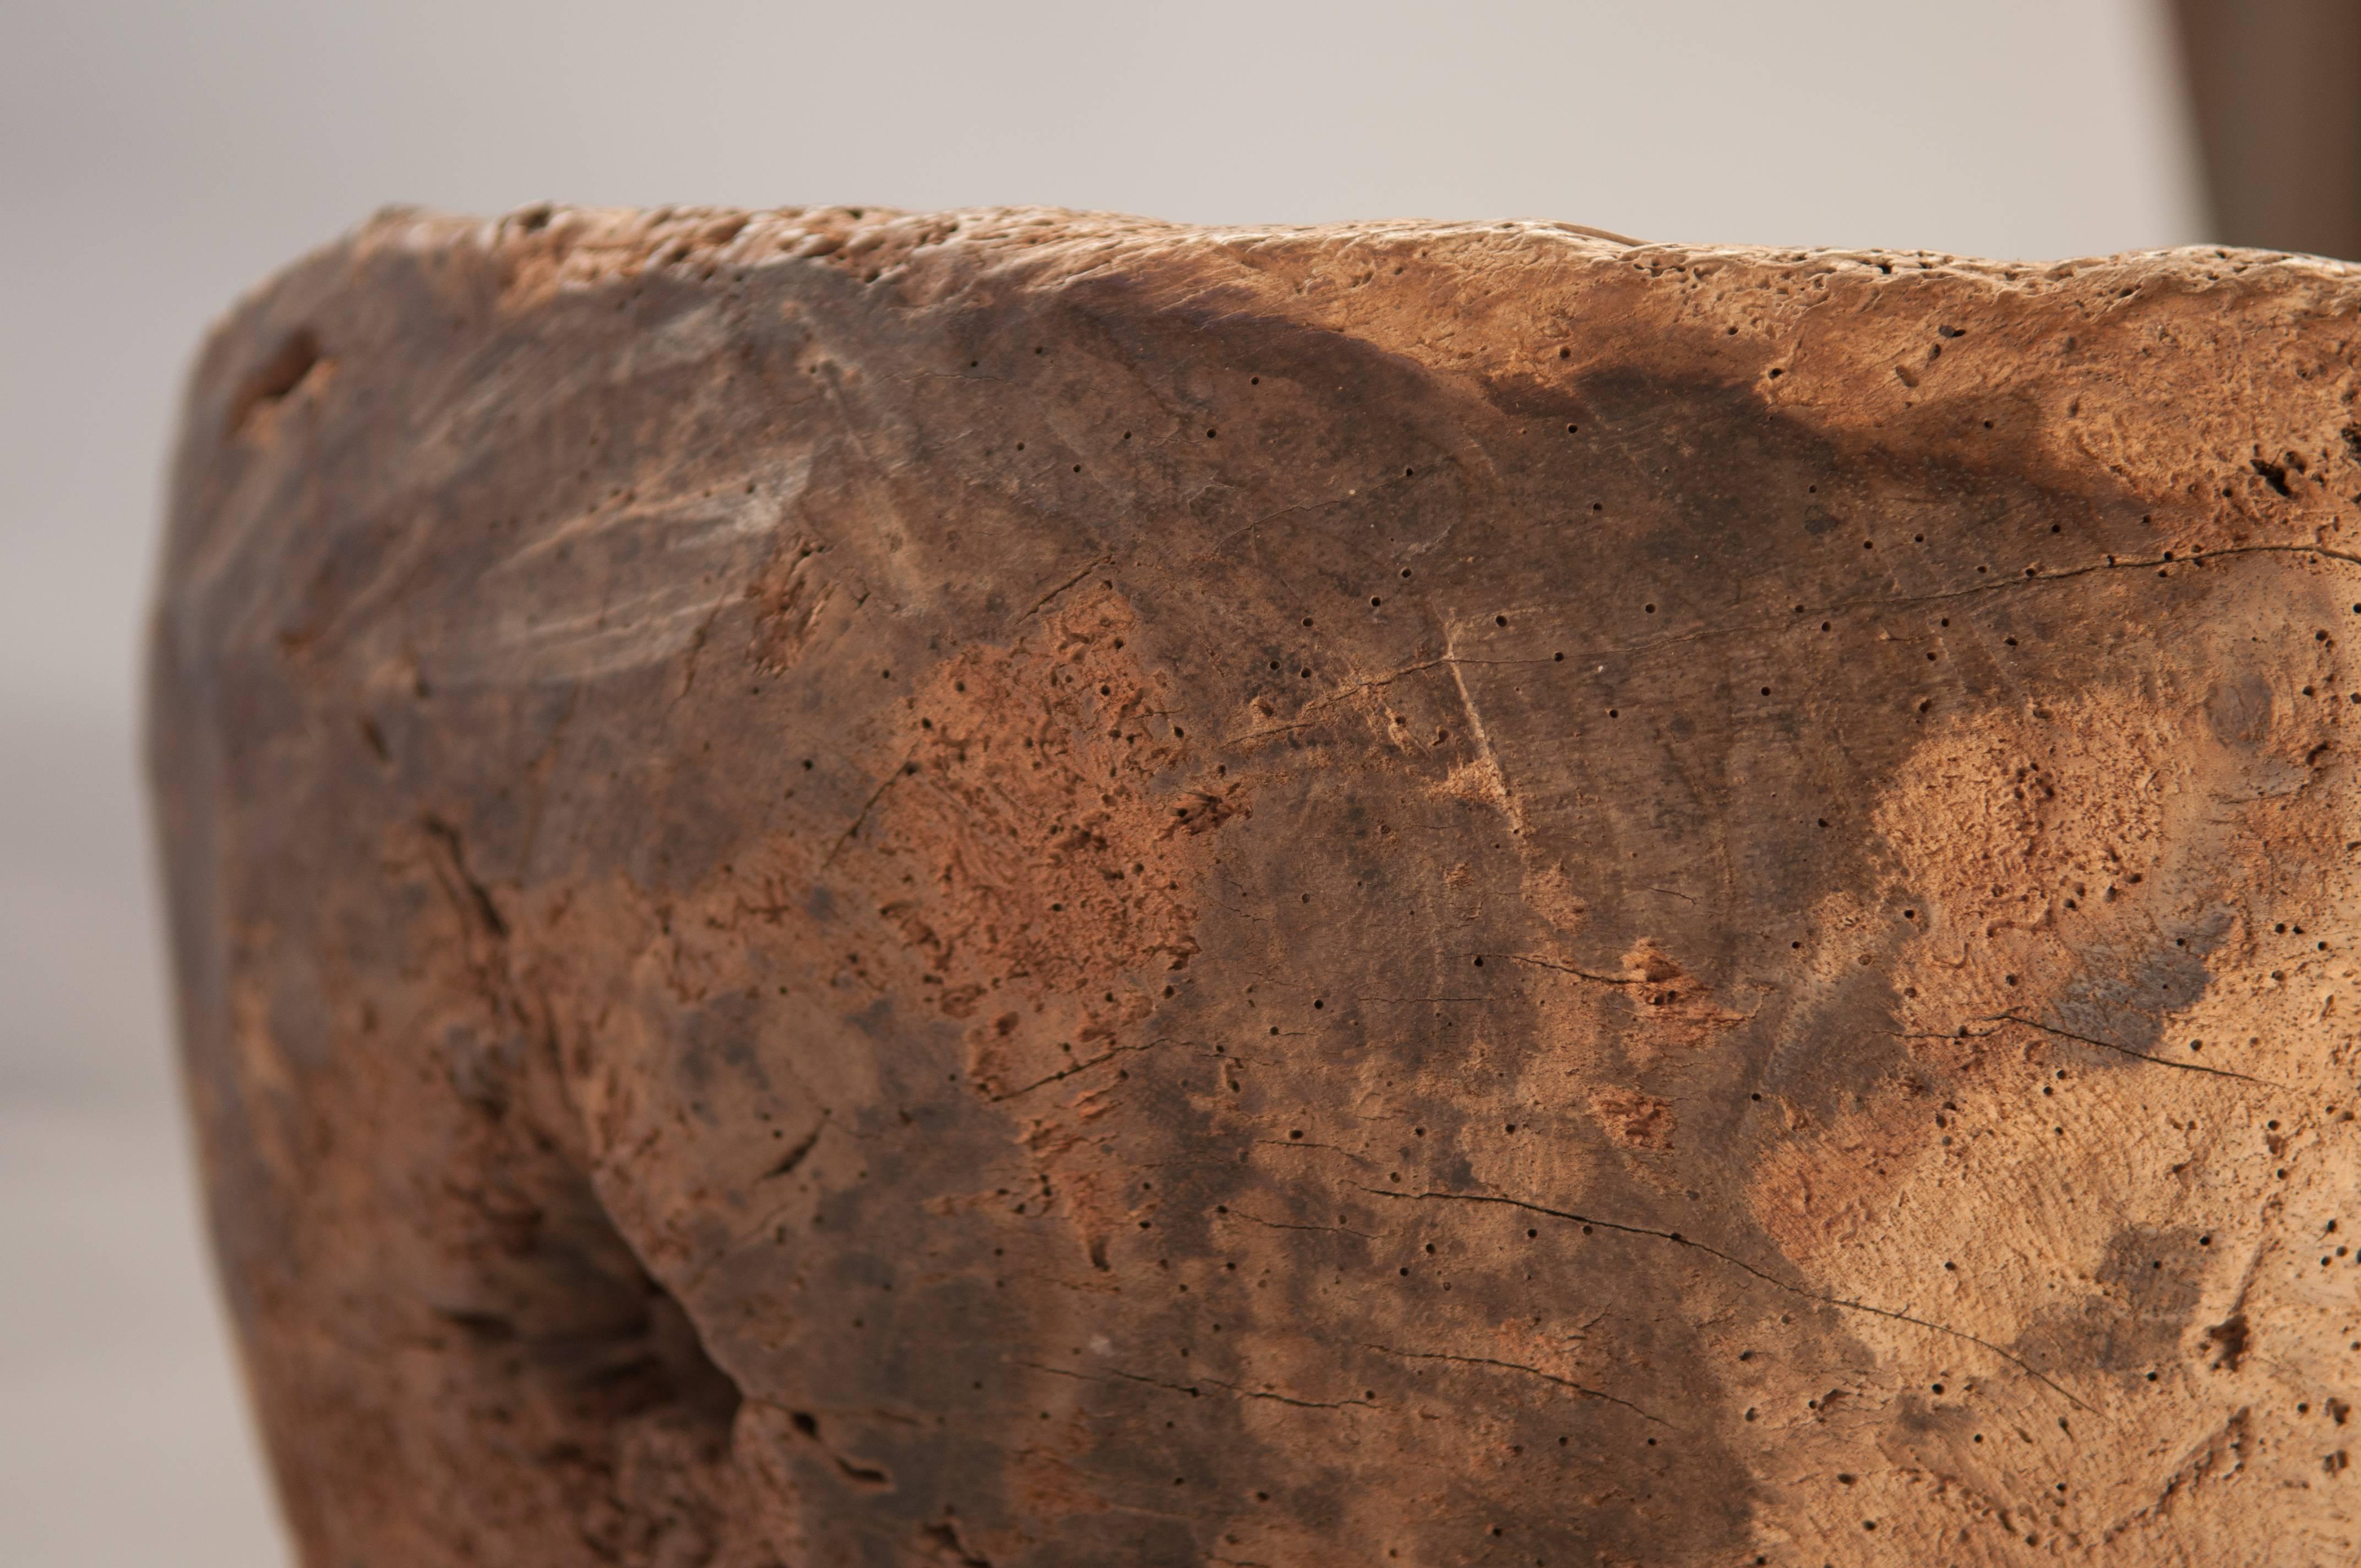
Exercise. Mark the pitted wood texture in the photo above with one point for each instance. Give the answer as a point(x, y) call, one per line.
point(1023, 889)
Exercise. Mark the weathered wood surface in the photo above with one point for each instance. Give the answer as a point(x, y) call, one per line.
point(1020, 889)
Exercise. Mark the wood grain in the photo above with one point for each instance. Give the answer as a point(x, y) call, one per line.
point(1014, 888)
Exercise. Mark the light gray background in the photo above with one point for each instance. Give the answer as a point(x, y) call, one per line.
point(155, 158)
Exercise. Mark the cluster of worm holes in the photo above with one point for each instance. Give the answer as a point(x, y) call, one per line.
point(1946, 1119)
point(1300, 668)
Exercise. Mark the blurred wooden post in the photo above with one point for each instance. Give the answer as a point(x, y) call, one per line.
point(2276, 87)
